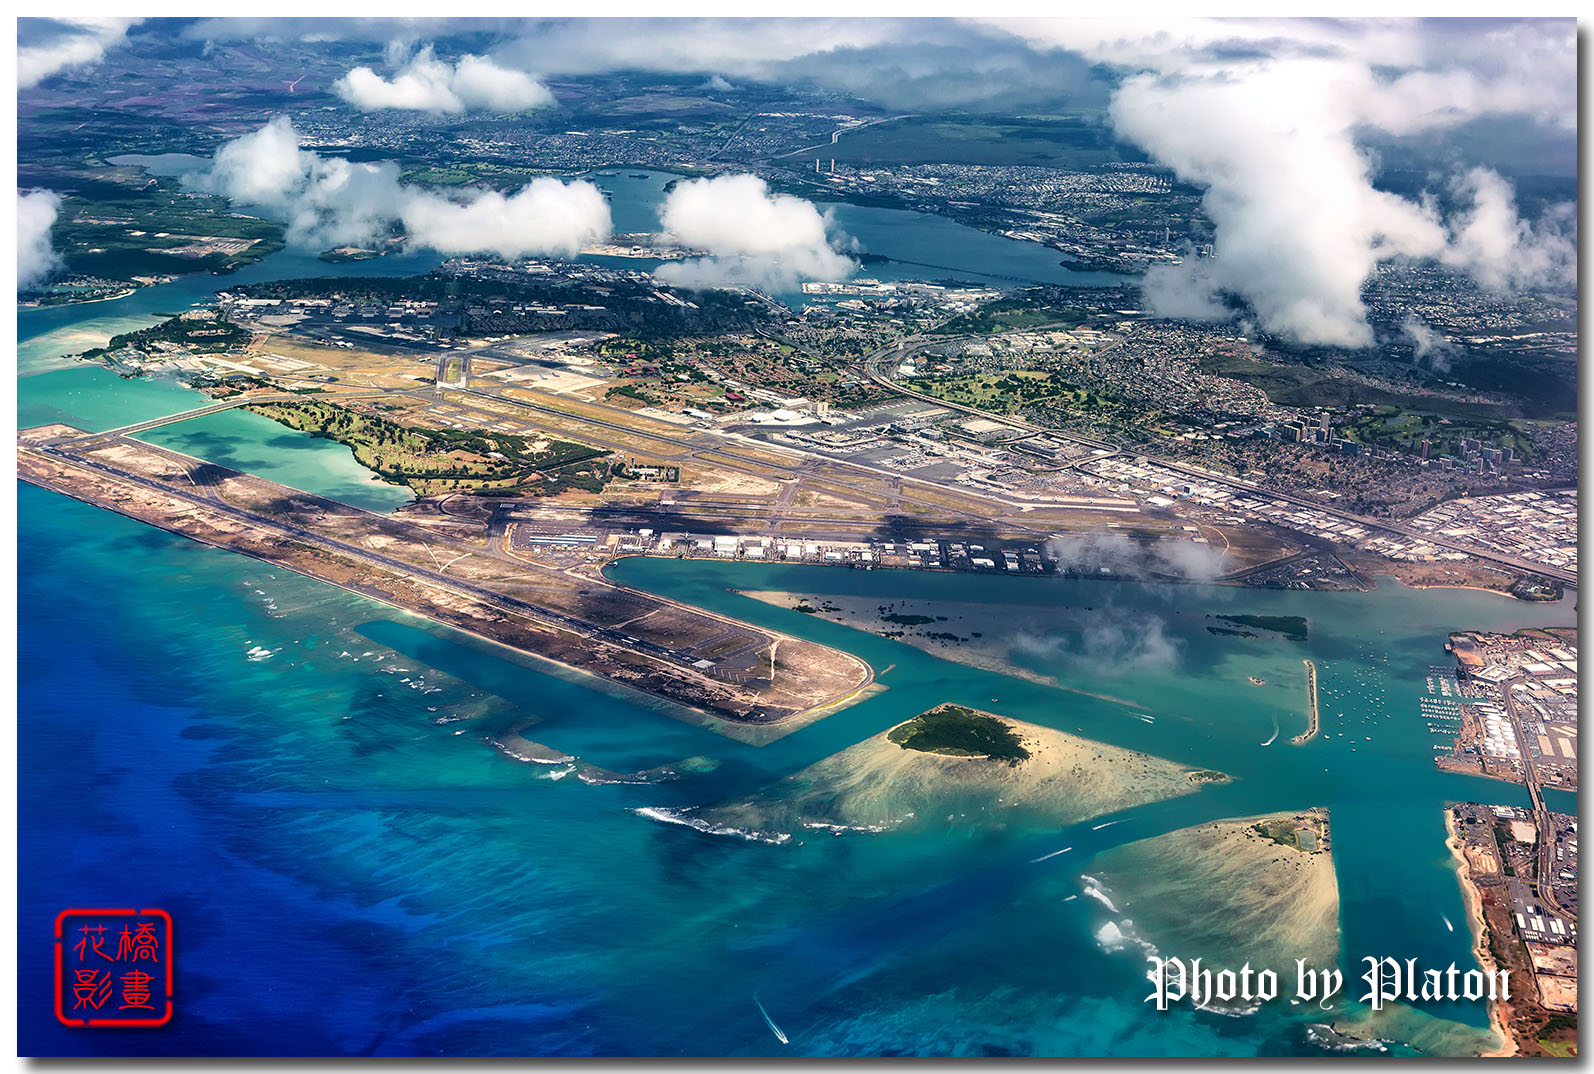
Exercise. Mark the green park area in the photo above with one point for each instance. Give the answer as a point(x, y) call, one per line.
point(1398, 427)
point(438, 461)
point(1007, 315)
point(1008, 392)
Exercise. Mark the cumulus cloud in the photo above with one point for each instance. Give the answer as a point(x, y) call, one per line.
point(545, 217)
point(1500, 249)
point(1280, 121)
point(426, 84)
point(36, 256)
point(1276, 119)
point(1091, 553)
point(754, 238)
point(328, 201)
point(1299, 225)
point(49, 46)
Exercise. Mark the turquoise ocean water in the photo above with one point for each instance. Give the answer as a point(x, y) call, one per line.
point(306, 781)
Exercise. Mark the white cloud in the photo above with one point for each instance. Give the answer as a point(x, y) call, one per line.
point(427, 84)
point(545, 217)
point(1090, 553)
point(328, 201)
point(1298, 225)
point(754, 238)
point(68, 44)
point(1430, 347)
point(1501, 250)
point(1277, 138)
point(1275, 117)
point(1122, 641)
point(36, 257)
point(263, 168)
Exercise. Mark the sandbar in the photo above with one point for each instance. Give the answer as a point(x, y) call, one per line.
point(878, 785)
point(1228, 893)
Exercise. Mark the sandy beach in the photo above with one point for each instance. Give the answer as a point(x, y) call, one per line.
point(1507, 1045)
point(1312, 722)
point(1227, 893)
point(877, 785)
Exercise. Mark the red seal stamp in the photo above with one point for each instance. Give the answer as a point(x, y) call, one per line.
point(113, 968)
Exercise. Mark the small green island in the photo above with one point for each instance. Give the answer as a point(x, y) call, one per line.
point(961, 732)
point(1292, 627)
point(1304, 831)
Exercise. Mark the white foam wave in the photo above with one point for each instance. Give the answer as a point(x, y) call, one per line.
point(1094, 890)
point(1118, 935)
point(682, 817)
point(841, 829)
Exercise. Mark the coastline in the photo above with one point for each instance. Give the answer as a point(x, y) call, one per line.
point(82, 301)
point(1473, 898)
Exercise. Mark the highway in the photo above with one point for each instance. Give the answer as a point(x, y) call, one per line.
point(1543, 881)
point(891, 357)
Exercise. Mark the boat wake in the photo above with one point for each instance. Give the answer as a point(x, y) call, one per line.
point(780, 1034)
point(1053, 854)
point(1275, 737)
